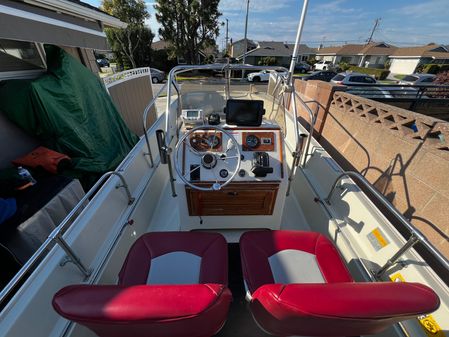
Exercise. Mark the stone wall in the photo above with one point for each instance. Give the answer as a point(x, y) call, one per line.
point(405, 155)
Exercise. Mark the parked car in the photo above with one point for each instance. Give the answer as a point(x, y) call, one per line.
point(418, 79)
point(324, 65)
point(157, 75)
point(325, 76)
point(262, 76)
point(374, 92)
point(103, 62)
point(302, 67)
point(351, 78)
point(370, 92)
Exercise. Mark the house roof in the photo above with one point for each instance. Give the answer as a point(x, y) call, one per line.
point(277, 49)
point(430, 50)
point(377, 48)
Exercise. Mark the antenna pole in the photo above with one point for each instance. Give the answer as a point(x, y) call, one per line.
point(376, 23)
point(297, 43)
point(245, 39)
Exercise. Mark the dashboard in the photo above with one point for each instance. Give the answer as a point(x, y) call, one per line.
point(260, 148)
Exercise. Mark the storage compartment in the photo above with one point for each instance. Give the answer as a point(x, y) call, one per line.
point(234, 199)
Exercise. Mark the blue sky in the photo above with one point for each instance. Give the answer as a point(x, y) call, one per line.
point(403, 22)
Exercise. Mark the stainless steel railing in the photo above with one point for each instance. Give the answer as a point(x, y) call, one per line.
point(144, 121)
point(416, 235)
point(56, 236)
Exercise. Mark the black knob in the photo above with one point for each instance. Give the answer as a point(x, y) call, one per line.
point(242, 173)
point(224, 173)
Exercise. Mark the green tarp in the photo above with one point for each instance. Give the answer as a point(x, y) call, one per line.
point(69, 110)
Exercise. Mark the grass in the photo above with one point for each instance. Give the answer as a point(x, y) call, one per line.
point(191, 78)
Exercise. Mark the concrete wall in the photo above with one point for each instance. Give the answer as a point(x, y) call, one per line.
point(405, 155)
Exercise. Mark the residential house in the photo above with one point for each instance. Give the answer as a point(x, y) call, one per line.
point(371, 55)
point(280, 51)
point(406, 60)
point(238, 47)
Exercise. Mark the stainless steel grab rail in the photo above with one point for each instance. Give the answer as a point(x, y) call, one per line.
point(144, 120)
point(416, 235)
point(56, 236)
point(312, 121)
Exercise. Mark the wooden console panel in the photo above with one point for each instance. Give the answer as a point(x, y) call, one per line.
point(234, 199)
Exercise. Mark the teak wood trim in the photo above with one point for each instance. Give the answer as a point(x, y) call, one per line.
point(234, 199)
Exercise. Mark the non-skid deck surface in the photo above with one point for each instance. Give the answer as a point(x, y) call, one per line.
point(239, 322)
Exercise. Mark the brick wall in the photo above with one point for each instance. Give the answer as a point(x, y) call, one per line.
point(405, 155)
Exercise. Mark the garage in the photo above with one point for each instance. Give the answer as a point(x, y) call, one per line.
point(404, 66)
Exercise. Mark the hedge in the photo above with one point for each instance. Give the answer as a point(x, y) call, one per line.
point(380, 74)
point(435, 68)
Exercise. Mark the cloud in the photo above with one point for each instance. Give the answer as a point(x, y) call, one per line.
point(256, 6)
point(335, 7)
point(428, 8)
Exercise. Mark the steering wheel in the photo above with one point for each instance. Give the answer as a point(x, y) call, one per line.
point(208, 158)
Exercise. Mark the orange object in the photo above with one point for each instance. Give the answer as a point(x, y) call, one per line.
point(42, 157)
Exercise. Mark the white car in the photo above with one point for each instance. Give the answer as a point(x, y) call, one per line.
point(263, 76)
point(353, 78)
point(418, 79)
point(324, 65)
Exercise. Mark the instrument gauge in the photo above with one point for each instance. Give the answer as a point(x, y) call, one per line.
point(213, 141)
point(252, 141)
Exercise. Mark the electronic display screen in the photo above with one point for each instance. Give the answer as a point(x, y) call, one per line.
point(244, 112)
point(192, 113)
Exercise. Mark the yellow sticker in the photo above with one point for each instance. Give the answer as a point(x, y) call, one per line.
point(377, 239)
point(397, 277)
point(427, 322)
point(430, 326)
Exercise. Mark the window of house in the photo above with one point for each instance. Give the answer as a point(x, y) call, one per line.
point(19, 59)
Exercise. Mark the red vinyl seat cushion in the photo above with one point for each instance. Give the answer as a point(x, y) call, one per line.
point(336, 307)
point(339, 309)
point(257, 246)
point(135, 308)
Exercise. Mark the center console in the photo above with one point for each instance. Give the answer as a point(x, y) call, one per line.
point(253, 190)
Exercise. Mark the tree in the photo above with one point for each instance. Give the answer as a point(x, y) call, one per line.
point(132, 44)
point(188, 26)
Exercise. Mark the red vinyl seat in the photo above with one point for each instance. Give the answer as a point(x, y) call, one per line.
point(171, 284)
point(299, 285)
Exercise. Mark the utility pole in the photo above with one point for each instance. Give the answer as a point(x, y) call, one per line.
point(245, 39)
point(227, 36)
point(376, 24)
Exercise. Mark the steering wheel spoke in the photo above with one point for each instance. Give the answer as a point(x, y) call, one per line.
point(209, 159)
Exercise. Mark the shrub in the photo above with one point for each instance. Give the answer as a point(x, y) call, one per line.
point(431, 68)
point(420, 68)
point(267, 61)
point(443, 68)
point(379, 74)
point(344, 66)
point(442, 78)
